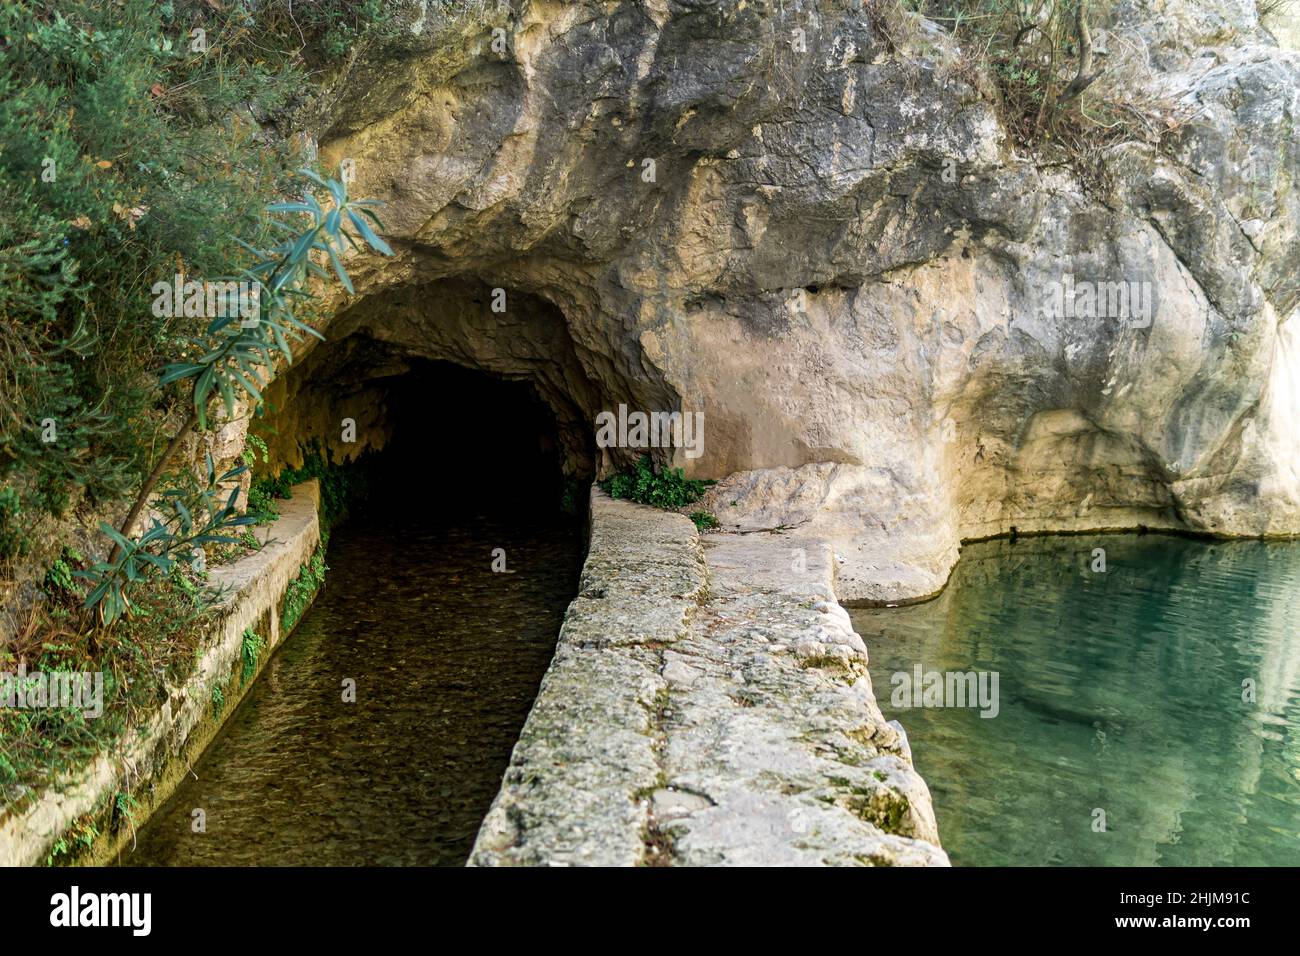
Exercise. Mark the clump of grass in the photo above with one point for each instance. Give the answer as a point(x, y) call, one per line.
point(668, 489)
point(704, 520)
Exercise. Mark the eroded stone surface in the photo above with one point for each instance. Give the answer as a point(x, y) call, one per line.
point(708, 705)
point(869, 341)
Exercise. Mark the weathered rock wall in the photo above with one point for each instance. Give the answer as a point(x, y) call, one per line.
point(835, 252)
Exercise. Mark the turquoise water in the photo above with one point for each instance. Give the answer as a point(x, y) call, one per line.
point(1120, 693)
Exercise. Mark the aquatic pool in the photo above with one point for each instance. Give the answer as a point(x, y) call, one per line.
point(1160, 697)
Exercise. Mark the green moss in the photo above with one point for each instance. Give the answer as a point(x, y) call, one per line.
point(826, 662)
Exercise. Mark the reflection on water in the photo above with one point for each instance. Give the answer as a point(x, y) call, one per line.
point(1120, 692)
point(446, 655)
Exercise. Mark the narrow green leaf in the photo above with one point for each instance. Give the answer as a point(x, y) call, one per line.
point(180, 370)
point(115, 536)
point(202, 389)
point(337, 191)
point(338, 268)
point(227, 395)
point(368, 234)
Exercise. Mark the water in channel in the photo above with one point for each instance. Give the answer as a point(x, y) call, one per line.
point(446, 654)
point(1163, 693)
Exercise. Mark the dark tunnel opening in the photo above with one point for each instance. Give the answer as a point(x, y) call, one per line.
point(446, 589)
point(461, 438)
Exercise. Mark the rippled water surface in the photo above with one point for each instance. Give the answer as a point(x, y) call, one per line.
point(1120, 692)
point(446, 655)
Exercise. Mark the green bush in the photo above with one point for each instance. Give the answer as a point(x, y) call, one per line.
point(642, 484)
point(124, 158)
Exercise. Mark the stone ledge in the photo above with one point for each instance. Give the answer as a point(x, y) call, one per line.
point(152, 760)
point(708, 704)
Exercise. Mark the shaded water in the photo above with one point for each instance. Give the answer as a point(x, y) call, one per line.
point(447, 656)
point(1120, 692)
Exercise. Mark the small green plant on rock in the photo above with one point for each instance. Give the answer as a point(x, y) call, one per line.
point(704, 520)
point(302, 589)
point(249, 652)
point(60, 577)
point(570, 496)
point(341, 485)
point(668, 489)
point(255, 445)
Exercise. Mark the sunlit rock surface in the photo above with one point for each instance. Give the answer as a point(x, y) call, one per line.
point(708, 704)
point(839, 258)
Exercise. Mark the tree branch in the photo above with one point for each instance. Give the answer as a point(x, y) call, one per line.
point(146, 490)
point(1085, 76)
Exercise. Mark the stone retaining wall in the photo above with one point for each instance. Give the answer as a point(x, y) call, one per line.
point(151, 763)
point(708, 704)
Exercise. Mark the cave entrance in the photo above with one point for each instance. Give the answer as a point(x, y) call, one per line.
point(452, 402)
point(458, 438)
point(446, 590)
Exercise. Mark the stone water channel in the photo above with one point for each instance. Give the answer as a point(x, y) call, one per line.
point(705, 706)
point(446, 654)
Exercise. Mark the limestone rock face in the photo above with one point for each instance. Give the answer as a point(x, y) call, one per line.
point(803, 219)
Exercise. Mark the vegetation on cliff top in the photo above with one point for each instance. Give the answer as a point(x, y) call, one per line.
point(124, 158)
point(1040, 62)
